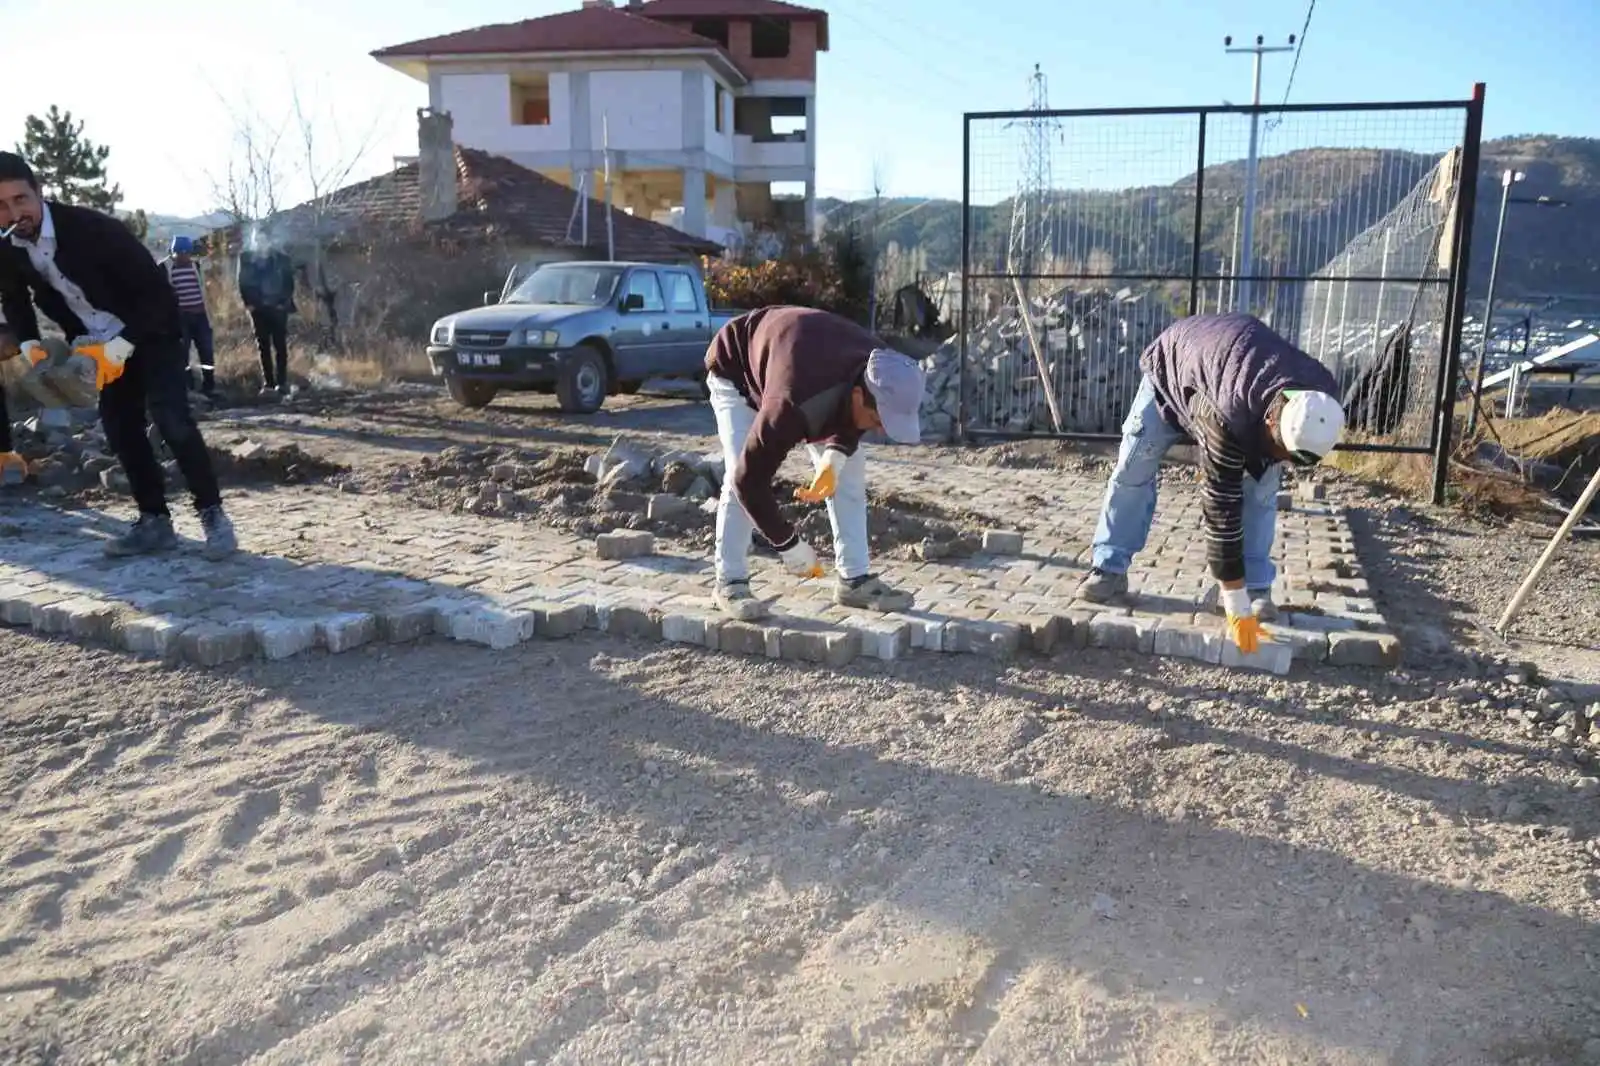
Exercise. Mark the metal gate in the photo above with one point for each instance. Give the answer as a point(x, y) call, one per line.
point(1346, 227)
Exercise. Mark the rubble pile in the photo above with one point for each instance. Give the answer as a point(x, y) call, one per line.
point(1091, 342)
point(629, 486)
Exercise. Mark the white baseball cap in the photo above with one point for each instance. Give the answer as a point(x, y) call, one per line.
point(896, 383)
point(1310, 425)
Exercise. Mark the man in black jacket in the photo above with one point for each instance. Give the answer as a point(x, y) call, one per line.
point(266, 285)
point(93, 278)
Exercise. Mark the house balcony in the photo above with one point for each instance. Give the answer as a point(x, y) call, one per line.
point(778, 151)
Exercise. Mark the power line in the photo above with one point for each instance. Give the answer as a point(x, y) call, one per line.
point(1294, 66)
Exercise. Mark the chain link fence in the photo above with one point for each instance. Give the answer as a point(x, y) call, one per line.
point(1086, 233)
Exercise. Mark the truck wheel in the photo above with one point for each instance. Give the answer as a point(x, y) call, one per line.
point(581, 389)
point(473, 394)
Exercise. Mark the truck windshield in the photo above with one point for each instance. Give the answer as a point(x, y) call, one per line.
point(588, 286)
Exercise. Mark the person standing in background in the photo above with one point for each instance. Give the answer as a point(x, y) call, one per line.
point(184, 275)
point(266, 285)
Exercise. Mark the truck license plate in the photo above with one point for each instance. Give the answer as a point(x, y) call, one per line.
point(475, 359)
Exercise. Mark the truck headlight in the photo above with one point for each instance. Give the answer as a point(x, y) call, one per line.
point(539, 338)
point(441, 333)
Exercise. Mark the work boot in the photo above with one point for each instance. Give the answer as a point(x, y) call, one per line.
point(150, 534)
point(870, 593)
point(1262, 606)
point(735, 600)
point(221, 541)
point(1102, 586)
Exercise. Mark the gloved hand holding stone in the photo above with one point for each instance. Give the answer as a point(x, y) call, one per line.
point(800, 560)
point(33, 352)
point(826, 482)
point(1244, 628)
point(109, 359)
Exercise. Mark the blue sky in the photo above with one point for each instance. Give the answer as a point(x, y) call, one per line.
point(156, 81)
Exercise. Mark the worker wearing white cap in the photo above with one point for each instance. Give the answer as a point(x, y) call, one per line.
point(1252, 402)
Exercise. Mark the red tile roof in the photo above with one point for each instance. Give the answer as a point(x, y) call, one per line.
point(590, 29)
point(732, 9)
point(498, 199)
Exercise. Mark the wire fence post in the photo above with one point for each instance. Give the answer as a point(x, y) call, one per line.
point(1199, 215)
point(966, 272)
point(1460, 256)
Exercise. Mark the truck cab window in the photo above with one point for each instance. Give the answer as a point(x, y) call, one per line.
point(680, 293)
point(644, 283)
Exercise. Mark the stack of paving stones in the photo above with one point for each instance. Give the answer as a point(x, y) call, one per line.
point(1091, 343)
point(323, 570)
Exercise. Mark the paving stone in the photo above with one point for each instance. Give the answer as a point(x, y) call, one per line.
point(1189, 642)
point(28, 608)
point(1270, 656)
point(1363, 649)
point(625, 544)
point(631, 622)
point(830, 647)
point(746, 638)
point(998, 639)
point(881, 638)
point(678, 628)
point(284, 638)
point(1002, 542)
point(556, 621)
point(341, 632)
point(153, 636)
point(1308, 645)
point(1318, 623)
point(492, 627)
point(662, 505)
point(405, 623)
point(1122, 633)
point(214, 643)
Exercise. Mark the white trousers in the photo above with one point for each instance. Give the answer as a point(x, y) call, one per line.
point(847, 510)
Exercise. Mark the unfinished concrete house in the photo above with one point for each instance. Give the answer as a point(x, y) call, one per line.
point(704, 109)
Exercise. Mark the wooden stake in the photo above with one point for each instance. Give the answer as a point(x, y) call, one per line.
point(1577, 512)
point(1038, 355)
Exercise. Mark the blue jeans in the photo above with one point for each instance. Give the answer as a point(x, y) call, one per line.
point(1129, 507)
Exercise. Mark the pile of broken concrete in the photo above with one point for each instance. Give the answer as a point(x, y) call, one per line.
point(1091, 342)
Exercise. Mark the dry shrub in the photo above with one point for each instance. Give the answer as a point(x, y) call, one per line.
point(836, 276)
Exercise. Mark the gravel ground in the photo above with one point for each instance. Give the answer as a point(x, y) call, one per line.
point(587, 852)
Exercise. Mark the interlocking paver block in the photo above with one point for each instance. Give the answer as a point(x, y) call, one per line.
point(832, 647)
point(1189, 642)
point(746, 638)
point(632, 622)
point(881, 638)
point(1002, 542)
point(341, 632)
point(1122, 633)
point(493, 627)
point(283, 638)
point(1270, 655)
point(680, 628)
point(215, 643)
point(153, 636)
point(1363, 649)
point(624, 544)
point(1308, 645)
point(556, 621)
point(408, 622)
point(998, 639)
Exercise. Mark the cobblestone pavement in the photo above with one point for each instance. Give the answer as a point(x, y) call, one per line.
point(327, 570)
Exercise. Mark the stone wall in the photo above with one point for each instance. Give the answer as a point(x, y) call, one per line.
point(1092, 341)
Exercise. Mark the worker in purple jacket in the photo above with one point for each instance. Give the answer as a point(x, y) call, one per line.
point(1251, 401)
point(780, 377)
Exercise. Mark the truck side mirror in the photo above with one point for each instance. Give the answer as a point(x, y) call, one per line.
point(490, 297)
point(634, 301)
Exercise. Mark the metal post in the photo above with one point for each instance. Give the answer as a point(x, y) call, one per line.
point(1507, 179)
point(1247, 262)
point(1377, 314)
point(966, 267)
point(1460, 249)
point(1233, 264)
point(1199, 207)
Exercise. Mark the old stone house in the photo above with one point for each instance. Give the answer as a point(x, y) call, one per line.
point(390, 254)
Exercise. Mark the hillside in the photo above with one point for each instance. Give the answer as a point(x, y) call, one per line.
point(1311, 202)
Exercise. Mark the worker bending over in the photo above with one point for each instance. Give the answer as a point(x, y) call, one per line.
point(1251, 401)
point(782, 376)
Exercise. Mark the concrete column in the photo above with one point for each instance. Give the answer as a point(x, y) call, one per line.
point(811, 165)
point(584, 159)
point(724, 205)
point(694, 201)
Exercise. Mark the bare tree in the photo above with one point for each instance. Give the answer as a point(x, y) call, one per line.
point(249, 187)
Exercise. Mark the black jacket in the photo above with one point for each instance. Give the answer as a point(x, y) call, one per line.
point(102, 257)
point(266, 281)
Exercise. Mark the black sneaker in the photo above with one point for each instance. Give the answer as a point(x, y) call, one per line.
point(150, 534)
point(1103, 586)
point(221, 540)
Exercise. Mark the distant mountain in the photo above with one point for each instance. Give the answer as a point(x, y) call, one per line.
point(1311, 203)
point(165, 227)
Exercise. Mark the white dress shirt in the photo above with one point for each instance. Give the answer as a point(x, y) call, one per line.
point(101, 325)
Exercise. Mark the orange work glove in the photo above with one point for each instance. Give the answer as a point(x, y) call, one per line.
point(1244, 628)
point(826, 481)
point(109, 358)
point(13, 469)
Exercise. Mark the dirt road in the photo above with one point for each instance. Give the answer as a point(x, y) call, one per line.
point(591, 852)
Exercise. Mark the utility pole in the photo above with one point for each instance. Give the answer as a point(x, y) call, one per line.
point(1246, 265)
point(1032, 243)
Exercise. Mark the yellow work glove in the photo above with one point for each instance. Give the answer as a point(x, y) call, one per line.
point(13, 469)
point(109, 359)
point(801, 561)
point(33, 352)
point(1244, 628)
point(826, 481)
